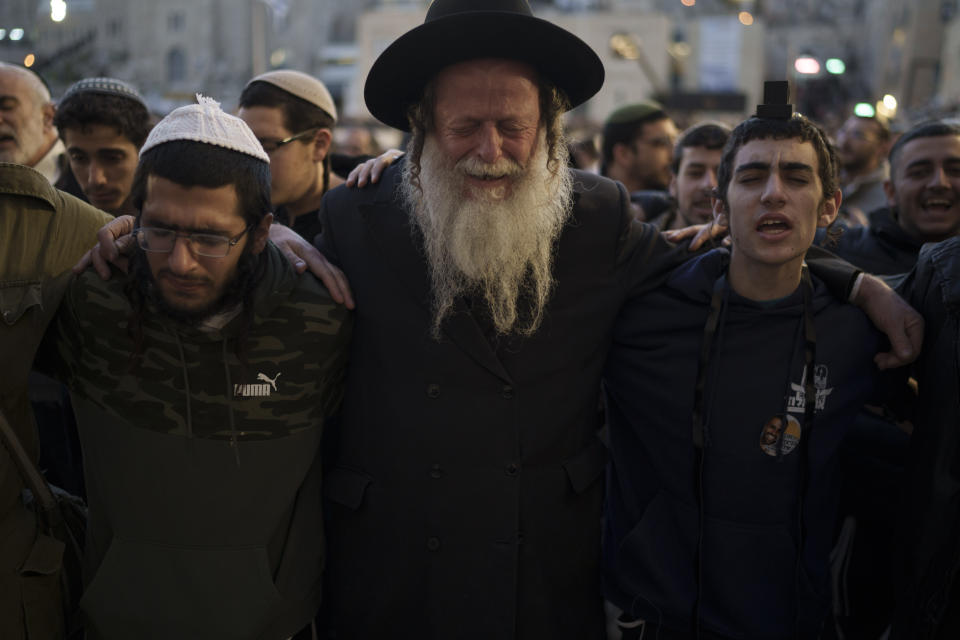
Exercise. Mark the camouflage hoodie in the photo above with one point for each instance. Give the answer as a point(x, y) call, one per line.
point(203, 474)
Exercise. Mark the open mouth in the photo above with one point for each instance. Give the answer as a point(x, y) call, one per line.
point(937, 204)
point(7, 139)
point(773, 225)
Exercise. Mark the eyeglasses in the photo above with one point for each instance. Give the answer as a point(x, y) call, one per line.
point(272, 145)
point(203, 244)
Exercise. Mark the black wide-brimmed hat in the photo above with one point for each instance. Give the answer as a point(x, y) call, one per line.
point(459, 30)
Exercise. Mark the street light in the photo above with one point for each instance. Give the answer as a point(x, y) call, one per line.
point(58, 10)
point(836, 66)
point(887, 107)
point(807, 66)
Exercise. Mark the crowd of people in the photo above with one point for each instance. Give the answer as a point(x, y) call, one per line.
point(469, 390)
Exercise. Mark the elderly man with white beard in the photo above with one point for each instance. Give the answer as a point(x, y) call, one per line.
point(464, 484)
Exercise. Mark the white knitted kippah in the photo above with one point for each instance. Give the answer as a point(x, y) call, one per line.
point(301, 85)
point(206, 122)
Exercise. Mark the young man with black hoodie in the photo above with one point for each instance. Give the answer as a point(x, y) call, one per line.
point(728, 391)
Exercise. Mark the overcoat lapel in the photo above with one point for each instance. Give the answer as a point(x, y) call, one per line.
point(388, 227)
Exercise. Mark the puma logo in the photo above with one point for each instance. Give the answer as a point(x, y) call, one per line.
point(264, 378)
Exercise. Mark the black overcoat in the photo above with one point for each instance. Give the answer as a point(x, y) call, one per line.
point(464, 487)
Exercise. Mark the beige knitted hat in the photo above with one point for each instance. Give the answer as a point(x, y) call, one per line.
point(206, 122)
point(301, 85)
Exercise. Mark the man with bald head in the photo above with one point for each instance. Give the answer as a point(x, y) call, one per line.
point(27, 134)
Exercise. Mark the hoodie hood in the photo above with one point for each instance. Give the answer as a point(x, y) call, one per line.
point(883, 223)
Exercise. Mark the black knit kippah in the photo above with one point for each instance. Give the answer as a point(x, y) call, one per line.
point(106, 86)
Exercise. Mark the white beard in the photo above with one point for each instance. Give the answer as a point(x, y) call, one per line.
point(493, 243)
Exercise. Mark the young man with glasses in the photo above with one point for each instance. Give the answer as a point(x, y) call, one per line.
point(200, 382)
point(292, 114)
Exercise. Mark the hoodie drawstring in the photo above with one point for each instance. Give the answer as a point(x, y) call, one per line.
point(186, 383)
point(234, 442)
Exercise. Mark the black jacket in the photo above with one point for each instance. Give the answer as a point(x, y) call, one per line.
point(883, 248)
point(930, 523)
point(465, 490)
point(763, 573)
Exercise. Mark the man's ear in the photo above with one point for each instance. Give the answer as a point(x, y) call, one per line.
point(622, 153)
point(48, 111)
point(321, 144)
point(829, 209)
point(890, 191)
point(261, 233)
point(672, 188)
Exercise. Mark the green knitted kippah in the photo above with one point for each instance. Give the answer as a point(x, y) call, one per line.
point(636, 112)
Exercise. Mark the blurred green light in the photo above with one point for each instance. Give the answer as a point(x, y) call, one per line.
point(835, 66)
point(864, 110)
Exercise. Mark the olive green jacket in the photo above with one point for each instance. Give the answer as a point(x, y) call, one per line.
point(43, 232)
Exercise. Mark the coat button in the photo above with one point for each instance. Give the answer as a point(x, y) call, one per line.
point(513, 469)
point(436, 472)
point(433, 391)
point(433, 544)
point(507, 391)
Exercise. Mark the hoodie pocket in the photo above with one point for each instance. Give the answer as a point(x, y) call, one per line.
point(145, 590)
point(750, 578)
point(749, 572)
